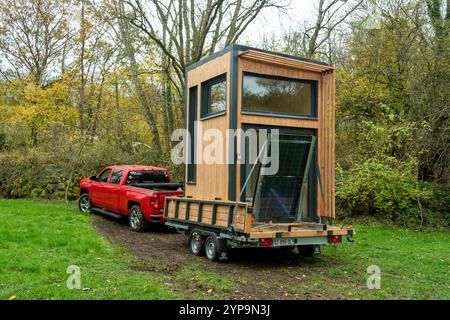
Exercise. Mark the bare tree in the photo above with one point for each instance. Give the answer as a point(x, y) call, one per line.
point(144, 100)
point(194, 29)
point(34, 34)
point(315, 36)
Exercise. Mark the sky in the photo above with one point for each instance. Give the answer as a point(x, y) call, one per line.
point(272, 22)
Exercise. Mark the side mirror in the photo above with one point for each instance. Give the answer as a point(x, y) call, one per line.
point(93, 178)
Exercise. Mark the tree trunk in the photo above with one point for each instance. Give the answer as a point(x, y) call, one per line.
point(143, 99)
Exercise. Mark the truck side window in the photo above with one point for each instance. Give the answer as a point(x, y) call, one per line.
point(116, 177)
point(104, 176)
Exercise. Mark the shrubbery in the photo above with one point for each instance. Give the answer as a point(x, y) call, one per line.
point(389, 189)
point(44, 174)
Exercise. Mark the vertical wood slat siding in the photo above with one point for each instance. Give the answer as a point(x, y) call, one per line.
point(212, 179)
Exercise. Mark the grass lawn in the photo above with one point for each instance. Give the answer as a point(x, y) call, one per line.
point(413, 265)
point(39, 241)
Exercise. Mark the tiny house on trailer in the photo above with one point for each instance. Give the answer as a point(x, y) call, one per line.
point(286, 106)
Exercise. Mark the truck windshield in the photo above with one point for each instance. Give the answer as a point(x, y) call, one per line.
point(145, 176)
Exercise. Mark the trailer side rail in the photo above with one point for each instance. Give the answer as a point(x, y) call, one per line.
point(222, 215)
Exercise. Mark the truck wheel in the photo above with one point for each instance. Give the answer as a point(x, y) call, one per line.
point(136, 219)
point(196, 242)
point(308, 250)
point(211, 246)
point(84, 204)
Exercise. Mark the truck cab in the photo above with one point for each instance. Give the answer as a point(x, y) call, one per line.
point(138, 192)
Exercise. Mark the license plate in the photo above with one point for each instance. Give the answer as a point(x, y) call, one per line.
point(284, 242)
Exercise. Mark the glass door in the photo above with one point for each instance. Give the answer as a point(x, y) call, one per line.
point(287, 195)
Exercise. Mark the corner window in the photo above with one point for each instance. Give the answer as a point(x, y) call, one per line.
point(279, 96)
point(214, 96)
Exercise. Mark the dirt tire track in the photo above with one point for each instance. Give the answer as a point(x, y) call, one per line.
point(258, 274)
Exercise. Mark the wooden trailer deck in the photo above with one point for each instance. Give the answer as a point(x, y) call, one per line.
point(236, 219)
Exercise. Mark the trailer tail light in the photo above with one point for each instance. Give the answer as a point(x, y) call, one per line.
point(334, 239)
point(154, 202)
point(265, 242)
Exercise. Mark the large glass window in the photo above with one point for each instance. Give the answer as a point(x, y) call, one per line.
point(277, 197)
point(275, 95)
point(214, 96)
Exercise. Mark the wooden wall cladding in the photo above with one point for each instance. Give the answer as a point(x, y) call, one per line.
point(324, 124)
point(212, 179)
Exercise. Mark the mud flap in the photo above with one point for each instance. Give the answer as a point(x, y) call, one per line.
point(222, 249)
point(316, 250)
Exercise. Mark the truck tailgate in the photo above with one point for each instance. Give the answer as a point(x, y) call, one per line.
point(161, 196)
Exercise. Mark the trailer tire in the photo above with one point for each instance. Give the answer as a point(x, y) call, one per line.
point(136, 219)
point(196, 243)
point(211, 248)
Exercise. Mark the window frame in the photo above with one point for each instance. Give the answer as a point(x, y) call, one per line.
point(191, 176)
point(112, 175)
point(205, 97)
point(101, 174)
point(314, 97)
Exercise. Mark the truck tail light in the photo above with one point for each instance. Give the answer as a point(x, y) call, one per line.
point(334, 239)
point(154, 202)
point(265, 242)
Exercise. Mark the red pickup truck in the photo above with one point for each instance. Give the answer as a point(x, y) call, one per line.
point(138, 192)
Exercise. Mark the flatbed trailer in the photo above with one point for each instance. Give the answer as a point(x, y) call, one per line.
point(282, 195)
point(214, 227)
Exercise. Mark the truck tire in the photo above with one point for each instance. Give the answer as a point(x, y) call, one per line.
point(196, 243)
point(211, 248)
point(136, 219)
point(84, 203)
point(308, 250)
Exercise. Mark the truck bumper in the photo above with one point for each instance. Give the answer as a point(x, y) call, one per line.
point(157, 218)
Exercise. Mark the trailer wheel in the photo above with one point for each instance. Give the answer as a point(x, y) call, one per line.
point(136, 219)
point(308, 250)
point(84, 204)
point(211, 248)
point(196, 242)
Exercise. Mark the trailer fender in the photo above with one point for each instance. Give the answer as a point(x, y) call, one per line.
point(202, 232)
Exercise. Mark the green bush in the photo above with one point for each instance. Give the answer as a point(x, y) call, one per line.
point(384, 188)
point(2, 141)
point(38, 173)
